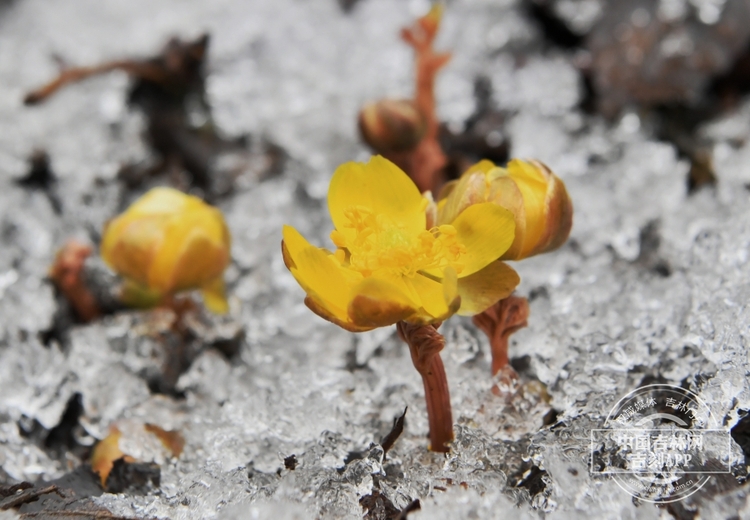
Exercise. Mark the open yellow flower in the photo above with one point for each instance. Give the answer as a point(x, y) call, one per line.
point(388, 266)
point(540, 204)
point(167, 242)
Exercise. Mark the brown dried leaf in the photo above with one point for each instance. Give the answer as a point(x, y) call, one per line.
point(171, 439)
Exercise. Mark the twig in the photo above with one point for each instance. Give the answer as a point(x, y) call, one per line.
point(148, 71)
point(29, 495)
point(392, 436)
point(83, 513)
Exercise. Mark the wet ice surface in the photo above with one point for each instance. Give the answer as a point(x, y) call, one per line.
point(653, 283)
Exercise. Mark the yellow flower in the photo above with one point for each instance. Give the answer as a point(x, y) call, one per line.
point(388, 266)
point(537, 198)
point(168, 242)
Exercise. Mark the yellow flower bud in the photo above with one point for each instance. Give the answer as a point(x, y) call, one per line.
point(168, 242)
point(392, 125)
point(537, 198)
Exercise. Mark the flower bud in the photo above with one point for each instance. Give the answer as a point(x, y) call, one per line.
point(168, 242)
point(537, 198)
point(392, 125)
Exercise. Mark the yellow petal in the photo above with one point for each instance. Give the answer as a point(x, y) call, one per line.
point(214, 296)
point(484, 288)
point(129, 245)
point(163, 200)
point(505, 193)
point(483, 166)
point(445, 192)
point(471, 188)
point(439, 298)
point(322, 278)
point(474, 187)
point(431, 296)
point(450, 286)
point(487, 231)
point(533, 186)
point(380, 186)
point(195, 250)
point(559, 216)
point(346, 324)
point(378, 302)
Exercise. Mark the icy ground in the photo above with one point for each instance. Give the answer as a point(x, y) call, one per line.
point(653, 284)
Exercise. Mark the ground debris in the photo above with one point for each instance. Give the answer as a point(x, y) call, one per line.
point(533, 480)
point(136, 477)
point(12, 489)
point(40, 176)
point(378, 507)
point(638, 55)
point(392, 436)
point(28, 494)
point(135, 468)
point(483, 135)
point(68, 497)
point(414, 505)
point(170, 89)
point(741, 434)
point(290, 462)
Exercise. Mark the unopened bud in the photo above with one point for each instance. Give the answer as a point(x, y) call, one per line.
point(168, 242)
point(537, 198)
point(392, 125)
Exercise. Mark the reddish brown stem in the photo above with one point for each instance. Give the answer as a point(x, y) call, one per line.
point(66, 274)
point(425, 344)
point(499, 322)
point(425, 163)
point(420, 37)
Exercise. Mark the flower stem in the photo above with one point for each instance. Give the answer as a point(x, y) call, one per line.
point(499, 322)
point(67, 275)
point(424, 163)
point(425, 344)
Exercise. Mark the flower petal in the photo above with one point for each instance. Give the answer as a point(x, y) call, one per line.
point(318, 273)
point(435, 302)
point(558, 214)
point(484, 288)
point(214, 296)
point(487, 231)
point(471, 188)
point(378, 302)
point(439, 298)
point(380, 186)
point(505, 193)
point(193, 251)
point(162, 200)
point(324, 313)
point(533, 186)
point(129, 245)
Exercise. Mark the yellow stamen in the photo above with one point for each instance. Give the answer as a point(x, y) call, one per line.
point(379, 243)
